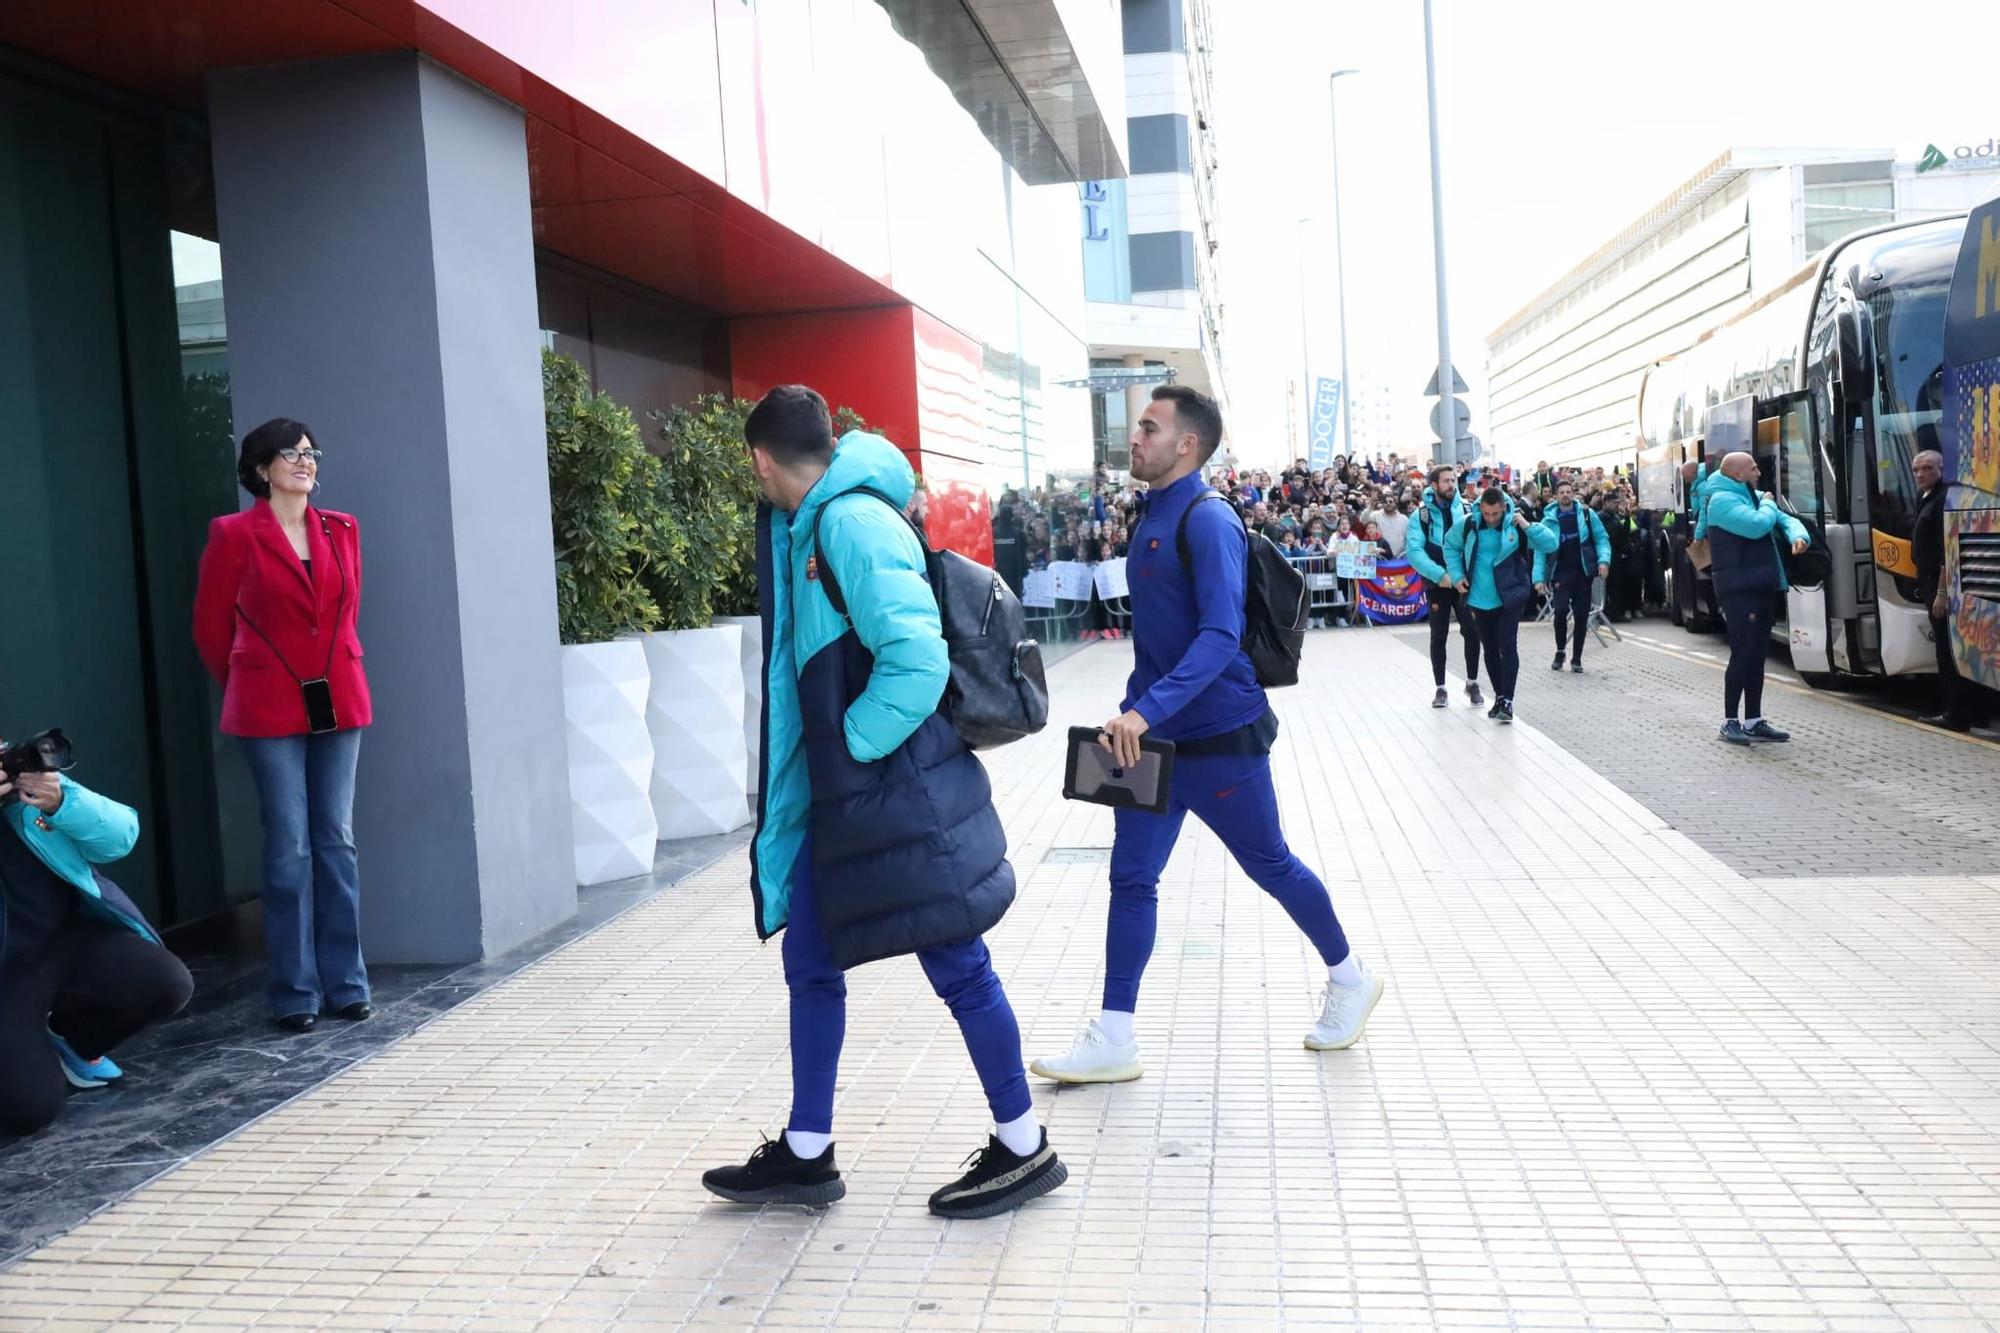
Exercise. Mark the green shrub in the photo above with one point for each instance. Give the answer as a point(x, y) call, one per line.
point(610, 527)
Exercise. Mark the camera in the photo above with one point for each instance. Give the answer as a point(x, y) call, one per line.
point(48, 752)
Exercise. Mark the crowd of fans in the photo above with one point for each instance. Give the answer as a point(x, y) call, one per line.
point(1305, 511)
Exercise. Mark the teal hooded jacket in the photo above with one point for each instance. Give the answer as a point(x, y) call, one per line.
point(859, 766)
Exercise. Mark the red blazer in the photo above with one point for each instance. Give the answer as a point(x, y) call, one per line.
point(249, 574)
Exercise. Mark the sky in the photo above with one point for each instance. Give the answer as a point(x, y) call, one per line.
point(1560, 122)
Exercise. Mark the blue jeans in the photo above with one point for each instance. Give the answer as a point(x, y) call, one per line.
point(961, 974)
point(1233, 795)
point(312, 888)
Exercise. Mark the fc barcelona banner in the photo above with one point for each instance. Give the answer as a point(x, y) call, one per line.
point(1395, 596)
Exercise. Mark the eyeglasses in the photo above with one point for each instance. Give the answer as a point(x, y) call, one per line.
point(307, 454)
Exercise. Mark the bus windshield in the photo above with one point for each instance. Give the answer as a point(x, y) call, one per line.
point(1909, 394)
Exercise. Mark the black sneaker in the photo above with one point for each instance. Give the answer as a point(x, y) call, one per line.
point(1442, 699)
point(1760, 730)
point(776, 1174)
point(1472, 694)
point(1577, 666)
point(999, 1181)
point(1505, 712)
point(1732, 732)
point(1557, 665)
point(1494, 711)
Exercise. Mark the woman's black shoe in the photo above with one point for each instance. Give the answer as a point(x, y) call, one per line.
point(356, 1012)
point(298, 1022)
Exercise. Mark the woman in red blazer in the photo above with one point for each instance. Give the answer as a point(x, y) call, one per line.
point(274, 619)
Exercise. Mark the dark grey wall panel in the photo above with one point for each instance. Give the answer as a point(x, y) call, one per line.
point(1152, 25)
point(1163, 261)
point(1157, 143)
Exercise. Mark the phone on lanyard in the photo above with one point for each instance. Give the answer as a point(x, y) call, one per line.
point(320, 718)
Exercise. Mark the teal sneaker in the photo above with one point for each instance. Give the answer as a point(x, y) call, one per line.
point(83, 1073)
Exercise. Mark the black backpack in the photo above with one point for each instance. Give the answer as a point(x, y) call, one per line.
point(998, 690)
point(1274, 602)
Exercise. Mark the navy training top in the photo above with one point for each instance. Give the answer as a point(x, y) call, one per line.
point(1190, 678)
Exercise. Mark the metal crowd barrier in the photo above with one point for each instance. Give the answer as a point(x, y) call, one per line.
point(1327, 598)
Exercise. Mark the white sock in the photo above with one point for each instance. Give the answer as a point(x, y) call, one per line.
point(806, 1144)
point(1021, 1136)
point(1116, 1025)
point(1753, 721)
point(1346, 972)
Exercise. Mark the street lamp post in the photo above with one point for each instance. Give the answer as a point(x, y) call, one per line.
point(1446, 447)
point(1340, 267)
point(1305, 345)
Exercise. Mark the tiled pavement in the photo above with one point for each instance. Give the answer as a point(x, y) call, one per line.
point(1858, 791)
point(1613, 1083)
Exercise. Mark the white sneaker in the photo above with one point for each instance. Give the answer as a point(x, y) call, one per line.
point(1344, 1012)
point(1094, 1059)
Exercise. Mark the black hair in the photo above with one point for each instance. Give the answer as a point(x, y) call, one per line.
point(1194, 412)
point(1442, 470)
point(1493, 495)
point(261, 445)
point(792, 424)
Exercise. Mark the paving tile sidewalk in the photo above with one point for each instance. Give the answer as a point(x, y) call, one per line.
point(1613, 1082)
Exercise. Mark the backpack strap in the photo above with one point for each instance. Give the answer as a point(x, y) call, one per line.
point(1180, 530)
point(828, 583)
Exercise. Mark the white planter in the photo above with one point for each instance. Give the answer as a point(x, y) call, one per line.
point(753, 695)
point(610, 760)
point(695, 714)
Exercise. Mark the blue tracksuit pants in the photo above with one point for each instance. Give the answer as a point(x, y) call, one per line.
point(1233, 795)
point(961, 974)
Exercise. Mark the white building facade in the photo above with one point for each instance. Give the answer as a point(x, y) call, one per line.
point(1150, 241)
point(1563, 372)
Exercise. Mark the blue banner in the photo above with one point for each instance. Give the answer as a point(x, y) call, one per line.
point(1325, 417)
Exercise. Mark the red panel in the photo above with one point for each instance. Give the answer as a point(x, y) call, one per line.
point(960, 516)
point(856, 358)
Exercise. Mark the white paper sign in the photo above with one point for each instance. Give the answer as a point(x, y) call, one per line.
point(1072, 580)
point(1110, 577)
point(1039, 589)
point(1354, 558)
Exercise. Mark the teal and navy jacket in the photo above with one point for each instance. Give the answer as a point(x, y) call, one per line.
point(86, 831)
point(1497, 577)
point(1590, 529)
point(866, 786)
point(1743, 526)
point(1430, 525)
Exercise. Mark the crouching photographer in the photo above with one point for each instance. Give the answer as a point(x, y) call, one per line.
point(80, 969)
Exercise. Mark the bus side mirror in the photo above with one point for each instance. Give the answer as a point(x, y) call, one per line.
point(1850, 352)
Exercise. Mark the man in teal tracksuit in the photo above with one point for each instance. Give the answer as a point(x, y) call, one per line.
point(1483, 559)
point(876, 832)
point(1441, 510)
point(1744, 528)
point(1582, 556)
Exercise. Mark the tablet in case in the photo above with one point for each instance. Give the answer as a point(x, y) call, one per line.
point(1090, 774)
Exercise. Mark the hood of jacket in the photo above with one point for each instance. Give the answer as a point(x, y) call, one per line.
point(860, 462)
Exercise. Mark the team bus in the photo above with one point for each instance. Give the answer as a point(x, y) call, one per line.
point(1834, 381)
point(1972, 448)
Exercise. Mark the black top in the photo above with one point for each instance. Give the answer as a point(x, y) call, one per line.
point(34, 903)
point(1927, 544)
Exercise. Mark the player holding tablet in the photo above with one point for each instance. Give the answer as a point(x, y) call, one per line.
point(1192, 683)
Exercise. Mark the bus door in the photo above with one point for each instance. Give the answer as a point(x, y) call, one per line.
point(1792, 470)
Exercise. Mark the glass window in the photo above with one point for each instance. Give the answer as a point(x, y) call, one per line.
point(1832, 211)
point(1797, 470)
point(1909, 394)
